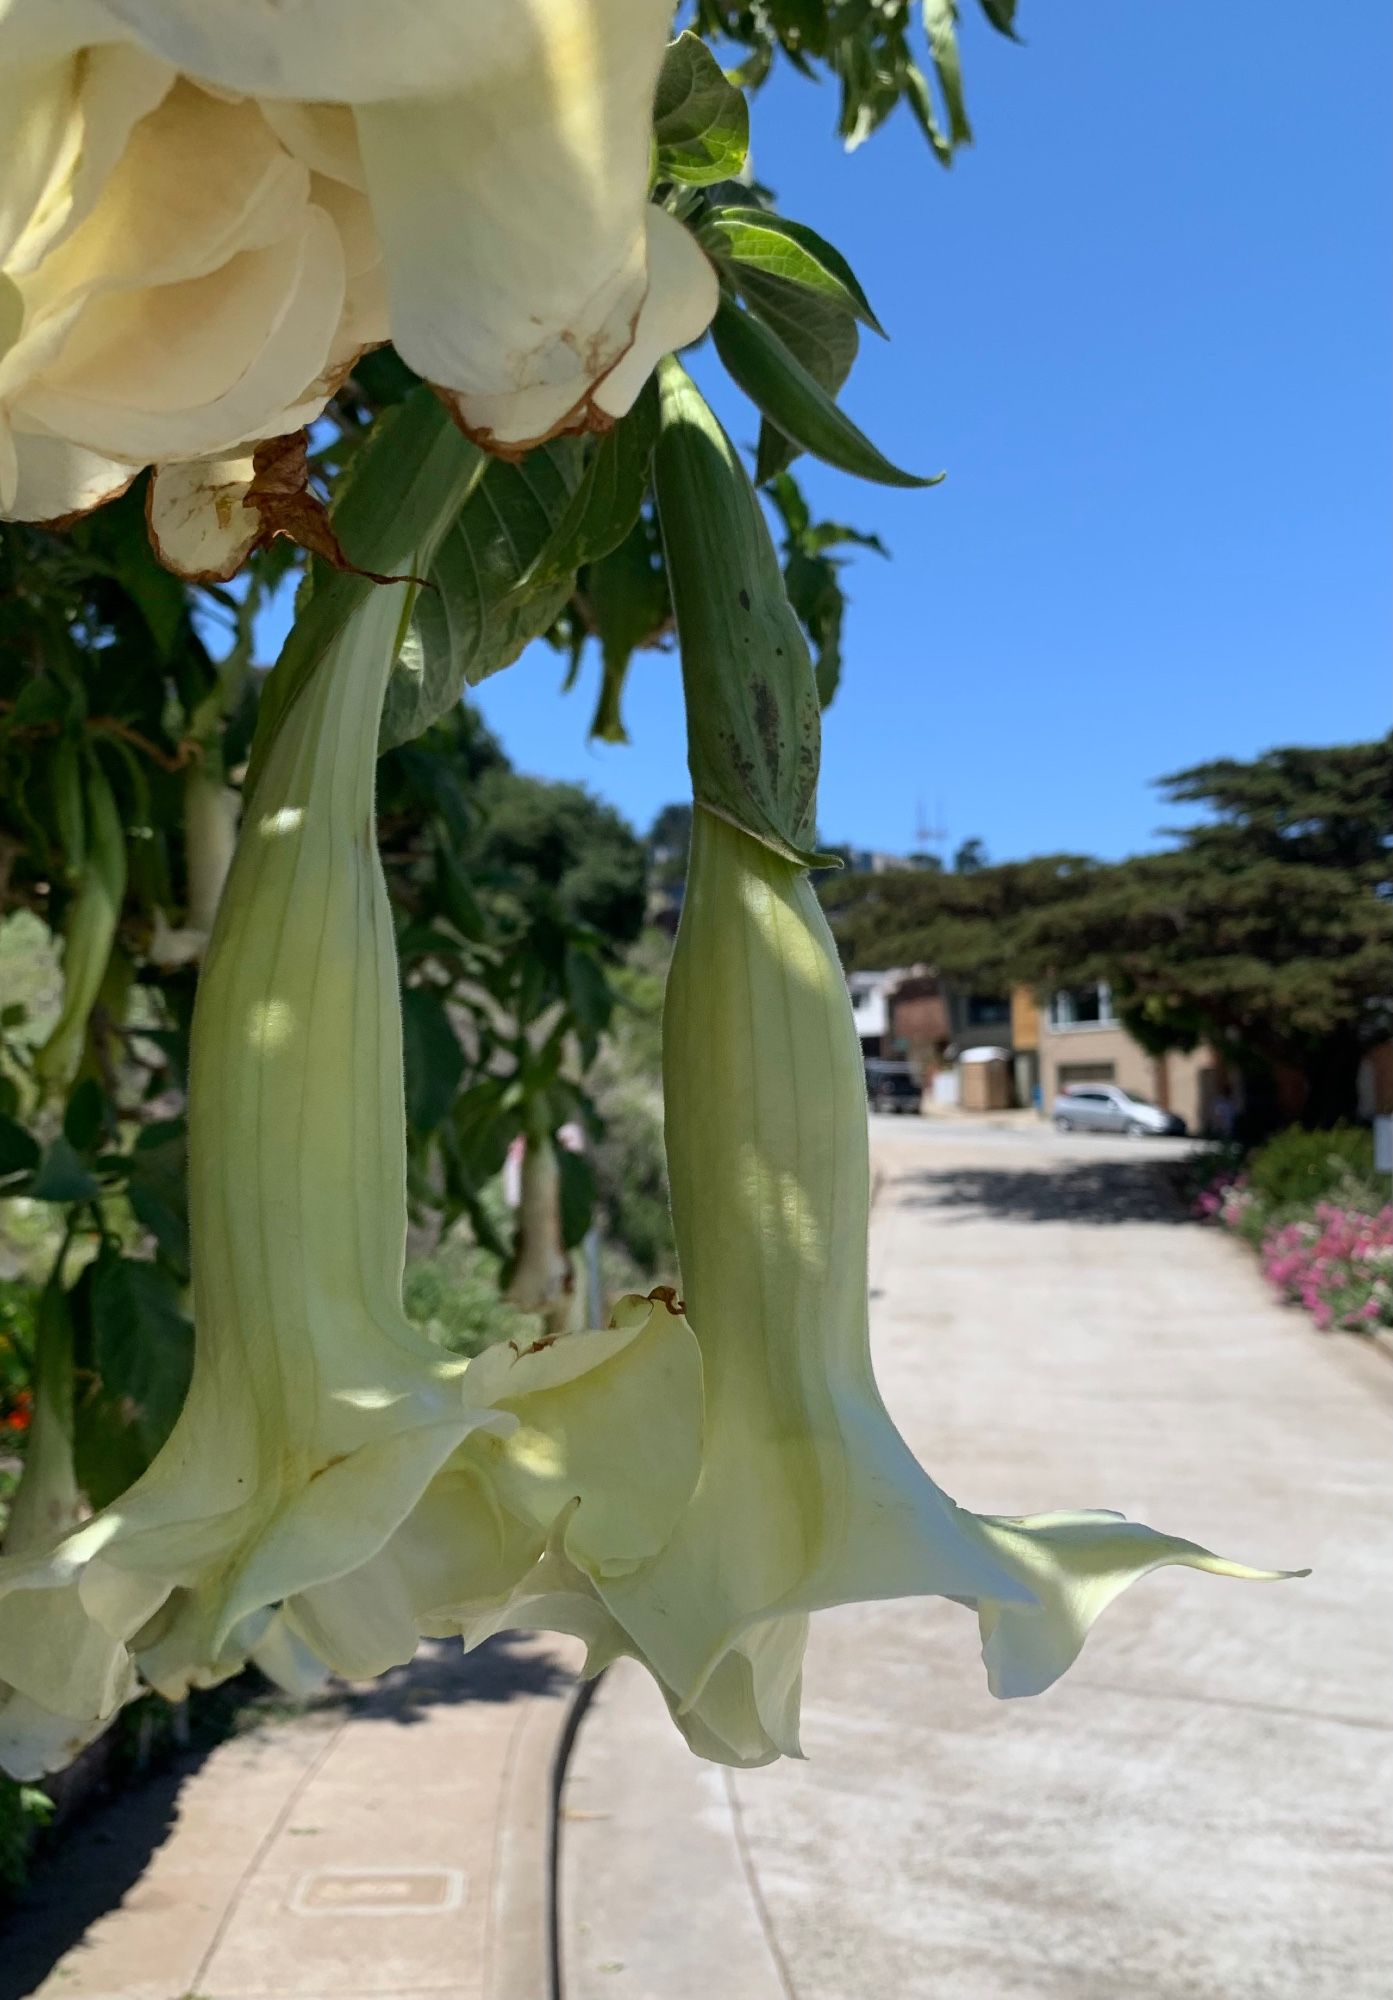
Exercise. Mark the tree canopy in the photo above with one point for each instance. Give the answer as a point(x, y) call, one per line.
point(1266, 928)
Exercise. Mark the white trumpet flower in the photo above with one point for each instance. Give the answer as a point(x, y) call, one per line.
point(809, 1497)
point(209, 210)
point(317, 1414)
point(315, 1503)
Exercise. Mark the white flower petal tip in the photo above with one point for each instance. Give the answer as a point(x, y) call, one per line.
point(1076, 1564)
point(678, 306)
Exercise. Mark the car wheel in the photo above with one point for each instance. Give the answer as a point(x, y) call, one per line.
point(1135, 1130)
point(1063, 1125)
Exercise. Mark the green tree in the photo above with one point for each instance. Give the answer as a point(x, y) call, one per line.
point(971, 857)
point(964, 924)
point(1267, 929)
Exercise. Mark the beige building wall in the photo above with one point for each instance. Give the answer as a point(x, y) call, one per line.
point(1093, 1053)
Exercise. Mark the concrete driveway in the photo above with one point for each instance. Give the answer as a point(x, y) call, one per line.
point(1200, 1811)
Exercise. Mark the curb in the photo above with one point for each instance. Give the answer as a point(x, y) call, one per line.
point(566, 1742)
point(521, 1961)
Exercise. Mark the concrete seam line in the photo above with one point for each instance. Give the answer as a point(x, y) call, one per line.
point(575, 1714)
point(263, 1848)
point(782, 1969)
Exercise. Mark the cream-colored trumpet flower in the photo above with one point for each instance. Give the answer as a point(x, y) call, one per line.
point(808, 1495)
point(317, 1413)
point(209, 209)
point(284, 1519)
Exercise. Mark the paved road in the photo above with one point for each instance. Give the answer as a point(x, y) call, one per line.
point(1200, 1811)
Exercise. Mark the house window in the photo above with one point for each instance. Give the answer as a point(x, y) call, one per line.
point(985, 1011)
point(1082, 1006)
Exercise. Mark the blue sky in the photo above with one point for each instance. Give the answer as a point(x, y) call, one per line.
point(1144, 325)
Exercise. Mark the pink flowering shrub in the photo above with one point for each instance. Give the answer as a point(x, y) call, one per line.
point(1228, 1200)
point(1338, 1265)
point(1334, 1256)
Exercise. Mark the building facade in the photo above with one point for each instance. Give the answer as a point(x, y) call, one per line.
point(1080, 1040)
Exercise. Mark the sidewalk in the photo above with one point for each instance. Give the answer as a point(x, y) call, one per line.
point(393, 1842)
point(1200, 1810)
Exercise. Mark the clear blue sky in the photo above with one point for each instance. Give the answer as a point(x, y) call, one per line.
point(1144, 325)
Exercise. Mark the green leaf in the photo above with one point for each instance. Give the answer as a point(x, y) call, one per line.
point(758, 241)
point(627, 597)
point(576, 1189)
point(474, 620)
point(701, 123)
point(782, 388)
point(85, 1116)
point(1002, 15)
point(587, 990)
point(19, 1151)
point(941, 21)
point(434, 1058)
point(821, 333)
point(156, 1188)
point(606, 503)
point(456, 893)
point(137, 1341)
point(63, 1176)
point(753, 728)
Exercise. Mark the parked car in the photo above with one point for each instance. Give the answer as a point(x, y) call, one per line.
point(891, 1086)
point(1107, 1107)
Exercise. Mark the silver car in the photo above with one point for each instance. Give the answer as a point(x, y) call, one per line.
point(1107, 1107)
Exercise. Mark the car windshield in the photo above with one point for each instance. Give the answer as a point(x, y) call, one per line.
point(1144, 1102)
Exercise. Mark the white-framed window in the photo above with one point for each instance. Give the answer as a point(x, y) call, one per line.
point(1082, 1006)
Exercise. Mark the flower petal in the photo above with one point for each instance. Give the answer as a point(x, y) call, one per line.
point(183, 370)
point(1075, 1564)
point(535, 175)
point(682, 296)
point(357, 51)
point(610, 1419)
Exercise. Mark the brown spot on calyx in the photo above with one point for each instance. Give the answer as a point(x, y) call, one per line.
point(328, 1466)
point(767, 723)
point(666, 1295)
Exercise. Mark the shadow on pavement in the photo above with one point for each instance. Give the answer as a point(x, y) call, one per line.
point(1094, 1191)
point(96, 1865)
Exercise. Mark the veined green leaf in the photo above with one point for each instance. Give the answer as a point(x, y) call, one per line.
point(701, 124)
point(434, 1060)
point(472, 619)
point(757, 241)
point(606, 503)
point(794, 401)
point(818, 330)
point(627, 596)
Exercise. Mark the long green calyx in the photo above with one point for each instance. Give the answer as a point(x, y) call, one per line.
point(753, 742)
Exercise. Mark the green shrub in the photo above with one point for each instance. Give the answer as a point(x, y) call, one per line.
point(24, 1811)
point(455, 1295)
point(1299, 1167)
